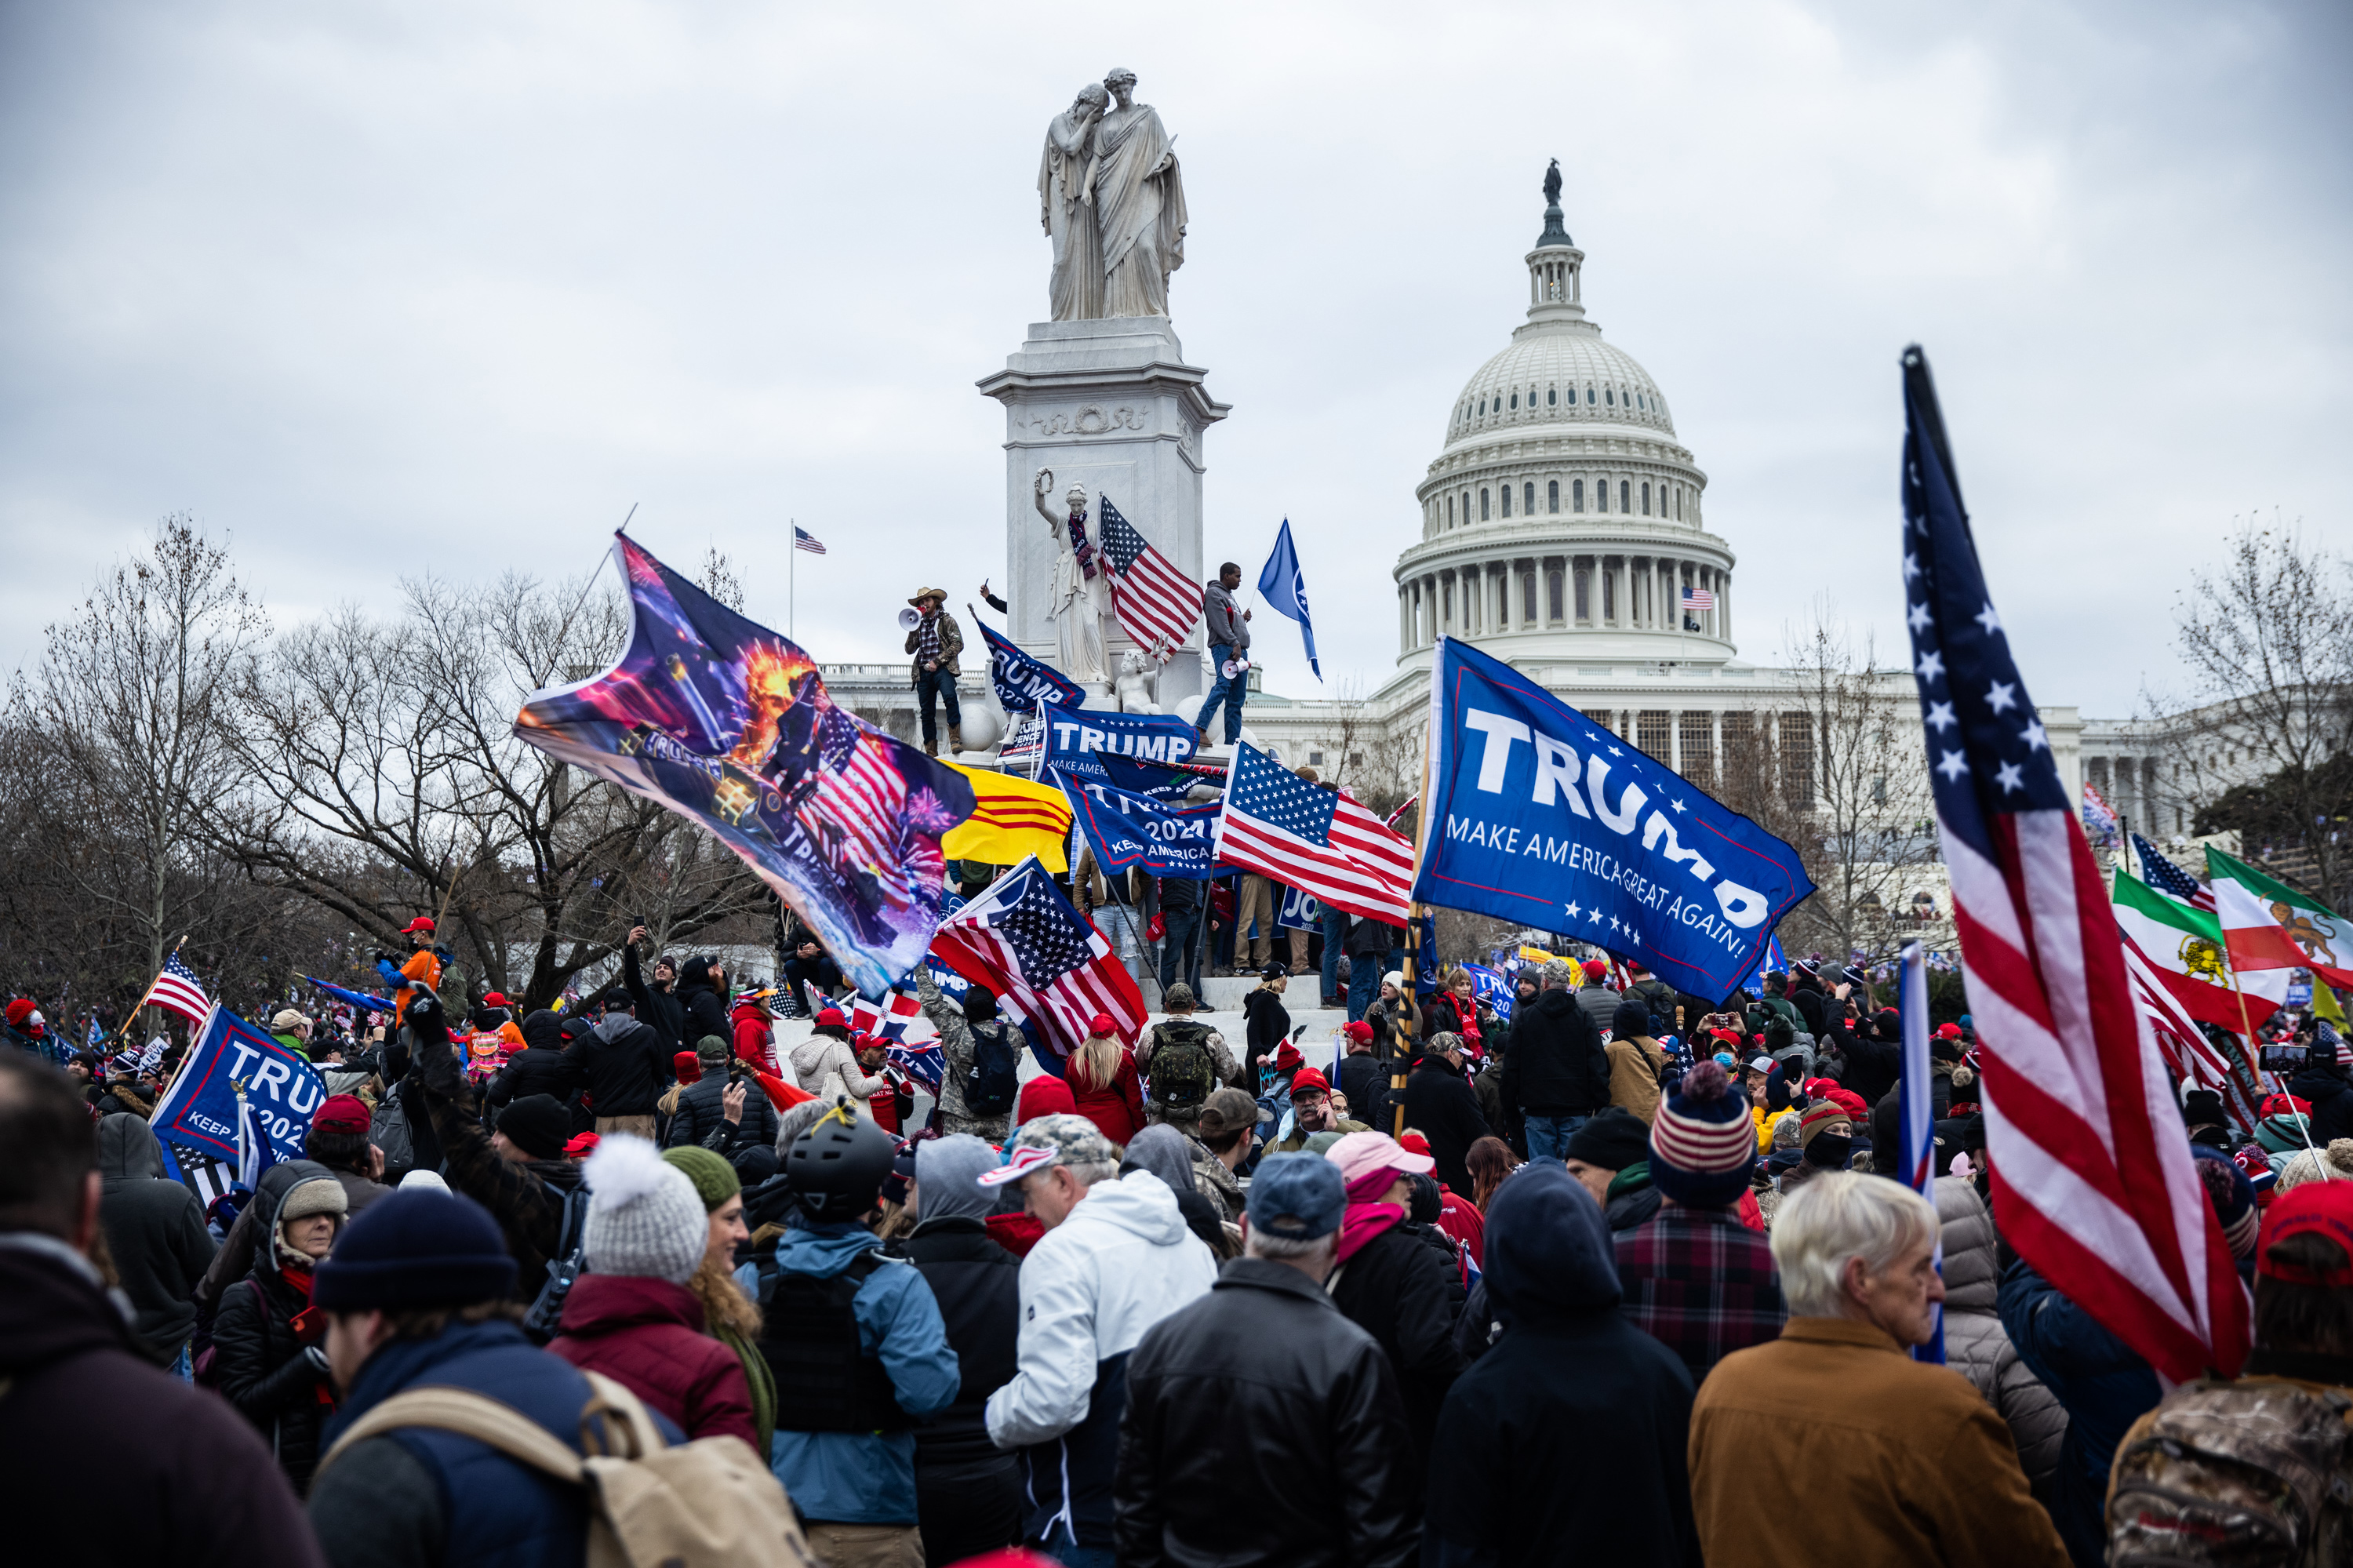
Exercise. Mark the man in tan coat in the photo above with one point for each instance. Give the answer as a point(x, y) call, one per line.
point(1886, 1460)
point(1636, 1060)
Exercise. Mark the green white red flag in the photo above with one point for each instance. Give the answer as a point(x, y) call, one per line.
point(2267, 924)
point(2184, 948)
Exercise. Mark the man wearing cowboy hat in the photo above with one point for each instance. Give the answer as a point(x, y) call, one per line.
point(935, 641)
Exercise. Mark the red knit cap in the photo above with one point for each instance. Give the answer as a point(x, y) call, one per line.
point(343, 1113)
point(687, 1066)
point(19, 1010)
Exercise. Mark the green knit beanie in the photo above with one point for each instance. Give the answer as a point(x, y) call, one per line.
point(715, 1179)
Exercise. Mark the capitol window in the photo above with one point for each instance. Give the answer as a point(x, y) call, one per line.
point(1588, 394)
point(1528, 599)
point(1577, 495)
point(1609, 395)
point(1449, 511)
point(1484, 513)
point(1528, 498)
point(1601, 497)
point(1516, 399)
point(1584, 594)
point(1551, 395)
point(1625, 489)
point(1552, 594)
point(1679, 504)
point(1552, 496)
point(1646, 498)
point(1507, 501)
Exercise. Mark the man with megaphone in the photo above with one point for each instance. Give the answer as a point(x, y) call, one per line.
point(934, 639)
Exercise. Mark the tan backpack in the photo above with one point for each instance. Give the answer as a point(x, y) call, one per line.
point(707, 1502)
point(2257, 1473)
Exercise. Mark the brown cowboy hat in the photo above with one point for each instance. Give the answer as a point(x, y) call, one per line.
point(940, 594)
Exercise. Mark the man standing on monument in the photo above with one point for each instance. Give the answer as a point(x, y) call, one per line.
point(935, 641)
point(1066, 207)
point(1139, 204)
point(1228, 631)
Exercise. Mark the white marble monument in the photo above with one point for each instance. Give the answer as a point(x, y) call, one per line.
point(1100, 397)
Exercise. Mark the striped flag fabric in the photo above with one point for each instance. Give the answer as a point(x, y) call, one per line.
point(2099, 817)
point(805, 540)
point(1157, 604)
point(1698, 599)
point(2159, 871)
point(1305, 836)
point(1011, 819)
point(177, 990)
point(1023, 940)
point(2093, 1181)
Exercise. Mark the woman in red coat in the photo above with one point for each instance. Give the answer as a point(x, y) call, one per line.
point(1104, 1082)
point(631, 1315)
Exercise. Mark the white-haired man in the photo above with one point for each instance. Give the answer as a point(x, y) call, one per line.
point(1116, 1258)
point(1887, 1459)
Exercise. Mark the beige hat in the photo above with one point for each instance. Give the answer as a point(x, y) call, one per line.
point(287, 1021)
point(923, 594)
point(319, 1195)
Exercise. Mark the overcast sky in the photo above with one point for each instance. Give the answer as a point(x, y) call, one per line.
point(376, 288)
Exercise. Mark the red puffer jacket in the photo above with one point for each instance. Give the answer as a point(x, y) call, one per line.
point(647, 1335)
point(755, 1036)
point(1116, 1108)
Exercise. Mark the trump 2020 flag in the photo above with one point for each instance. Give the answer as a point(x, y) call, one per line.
point(729, 724)
point(1535, 815)
point(1285, 591)
point(200, 1110)
point(1129, 830)
point(1023, 682)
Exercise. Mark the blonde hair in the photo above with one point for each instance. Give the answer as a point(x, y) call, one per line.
point(1456, 976)
point(1100, 1059)
point(1840, 1215)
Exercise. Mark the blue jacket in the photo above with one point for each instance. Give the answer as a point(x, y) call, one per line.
point(2098, 1380)
point(851, 1478)
point(431, 1496)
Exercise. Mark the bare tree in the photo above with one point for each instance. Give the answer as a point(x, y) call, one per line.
point(2267, 643)
point(130, 702)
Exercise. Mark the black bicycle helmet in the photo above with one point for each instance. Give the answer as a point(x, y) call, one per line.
point(836, 1169)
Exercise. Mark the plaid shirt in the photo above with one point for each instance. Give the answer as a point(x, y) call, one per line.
point(1701, 1283)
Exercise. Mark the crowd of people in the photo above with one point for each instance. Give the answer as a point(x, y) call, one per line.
point(1610, 1275)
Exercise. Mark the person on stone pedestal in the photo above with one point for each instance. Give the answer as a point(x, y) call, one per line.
point(935, 641)
point(1139, 204)
point(1079, 604)
point(1066, 207)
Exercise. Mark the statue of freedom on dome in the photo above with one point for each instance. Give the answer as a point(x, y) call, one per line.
point(1113, 202)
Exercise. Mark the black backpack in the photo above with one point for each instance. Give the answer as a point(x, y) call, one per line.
point(990, 1082)
point(544, 1319)
point(1182, 1072)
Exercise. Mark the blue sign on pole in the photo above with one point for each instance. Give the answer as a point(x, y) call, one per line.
point(1538, 815)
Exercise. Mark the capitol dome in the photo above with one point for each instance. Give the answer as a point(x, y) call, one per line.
point(1561, 519)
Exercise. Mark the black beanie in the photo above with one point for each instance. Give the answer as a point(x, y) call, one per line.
point(2202, 1108)
point(1630, 1019)
point(415, 1249)
point(538, 1125)
point(1611, 1140)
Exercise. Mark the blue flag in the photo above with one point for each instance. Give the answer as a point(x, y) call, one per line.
point(1536, 815)
point(1492, 989)
point(729, 725)
point(358, 999)
point(1147, 778)
point(281, 1089)
point(1129, 830)
point(1285, 591)
point(1076, 736)
point(1023, 682)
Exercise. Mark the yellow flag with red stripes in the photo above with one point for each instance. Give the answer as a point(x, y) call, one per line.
point(1011, 820)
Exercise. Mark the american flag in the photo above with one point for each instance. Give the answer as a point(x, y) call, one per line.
point(805, 540)
point(2093, 1182)
point(1698, 599)
point(1157, 604)
point(2099, 817)
point(2168, 878)
point(177, 990)
point(864, 801)
point(1023, 941)
point(1308, 837)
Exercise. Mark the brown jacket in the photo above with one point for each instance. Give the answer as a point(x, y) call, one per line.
point(1885, 1458)
point(1635, 1064)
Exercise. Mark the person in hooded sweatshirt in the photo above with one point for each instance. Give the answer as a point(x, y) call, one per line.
point(703, 996)
point(108, 1458)
point(1116, 1258)
point(541, 1067)
point(623, 1065)
point(154, 1232)
point(631, 1315)
point(1566, 1442)
point(271, 1362)
point(1169, 1154)
point(967, 1490)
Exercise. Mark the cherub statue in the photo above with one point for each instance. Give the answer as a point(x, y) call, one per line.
point(1137, 687)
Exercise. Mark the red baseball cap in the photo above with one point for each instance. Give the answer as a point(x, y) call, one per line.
point(2315, 1208)
point(495, 999)
point(583, 1143)
point(1309, 1080)
point(832, 1015)
point(1359, 1030)
point(343, 1113)
point(1596, 967)
point(1101, 1024)
point(1949, 1032)
point(422, 923)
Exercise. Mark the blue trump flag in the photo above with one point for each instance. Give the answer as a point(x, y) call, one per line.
point(1076, 736)
point(358, 999)
point(1128, 830)
point(1023, 682)
point(1495, 989)
point(1285, 591)
point(1146, 777)
point(1535, 815)
point(729, 725)
point(200, 1109)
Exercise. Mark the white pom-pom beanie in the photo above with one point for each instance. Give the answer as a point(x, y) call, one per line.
point(644, 1214)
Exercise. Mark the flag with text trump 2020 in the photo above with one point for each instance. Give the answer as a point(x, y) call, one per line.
point(729, 725)
point(199, 1110)
point(1538, 815)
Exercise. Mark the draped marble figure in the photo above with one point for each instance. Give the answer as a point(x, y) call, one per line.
point(1080, 603)
point(1113, 202)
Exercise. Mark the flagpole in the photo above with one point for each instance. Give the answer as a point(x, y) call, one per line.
point(143, 1001)
point(793, 582)
point(1413, 918)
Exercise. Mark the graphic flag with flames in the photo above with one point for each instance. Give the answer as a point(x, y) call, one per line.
point(729, 724)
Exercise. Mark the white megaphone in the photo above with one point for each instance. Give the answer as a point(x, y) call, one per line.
point(910, 618)
point(1233, 667)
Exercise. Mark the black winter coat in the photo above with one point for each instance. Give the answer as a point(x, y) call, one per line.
point(701, 1118)
point(1556, 1065)
point(978, 1287)
point(660, 1010)
point(623, 1065)
point(526, 1200)
point(155, 1231)
point(1405, 1294)
point(263, 1370)
point(1363, 1079)
point(1813, 1003)
point(535, 1070)
point(704, 1012)
point(1441, 1104)
point(1565, 1443)
point(1318, 1474)
point(2329, 1087)
point(1266, 1024)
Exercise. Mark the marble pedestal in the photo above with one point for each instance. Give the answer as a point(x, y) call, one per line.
point(1110, 405)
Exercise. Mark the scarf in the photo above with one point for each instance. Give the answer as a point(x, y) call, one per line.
point(1366, 1219)
point(1084, 552)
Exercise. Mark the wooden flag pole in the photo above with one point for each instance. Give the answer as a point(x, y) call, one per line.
point(144, 1004)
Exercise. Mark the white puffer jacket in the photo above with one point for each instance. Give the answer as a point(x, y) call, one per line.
point(1975, 1343)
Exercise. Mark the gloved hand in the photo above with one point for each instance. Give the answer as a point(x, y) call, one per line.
point(389, 970)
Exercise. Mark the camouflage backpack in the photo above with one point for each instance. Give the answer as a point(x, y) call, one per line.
point(2232, 1473)
point(1182, 1073)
